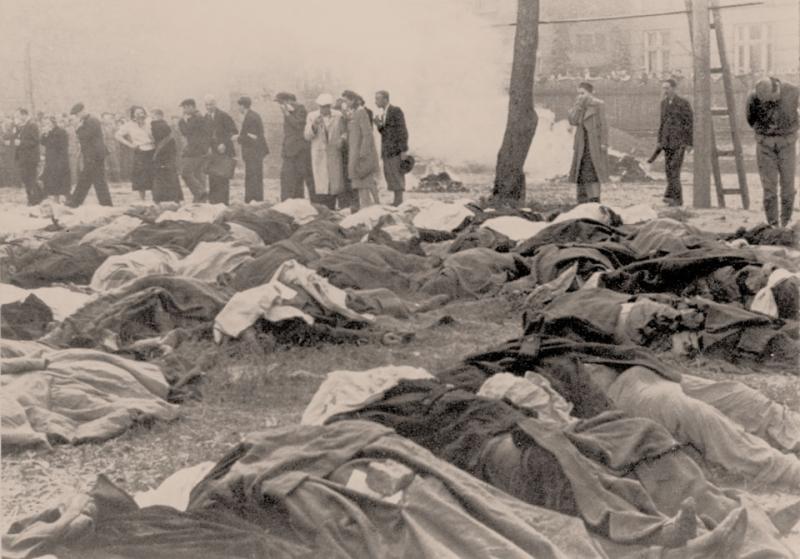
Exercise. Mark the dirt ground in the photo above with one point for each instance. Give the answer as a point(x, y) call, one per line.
point(244, 393)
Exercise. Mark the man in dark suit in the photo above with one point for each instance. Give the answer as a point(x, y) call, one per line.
point(391, 124)
point(674, 138)
point(26, 154)
point(296, 150)
point(254, 149)
point(195, 130)
point(222, 130)
point(94, 151)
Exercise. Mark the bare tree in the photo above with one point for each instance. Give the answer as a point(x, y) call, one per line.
point(509, 182)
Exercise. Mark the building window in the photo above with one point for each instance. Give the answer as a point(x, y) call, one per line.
point(752, 48)
point(656, 52)
point(590, 42)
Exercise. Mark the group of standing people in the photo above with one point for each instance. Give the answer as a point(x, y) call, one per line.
point(332, 150)
point(771, 111)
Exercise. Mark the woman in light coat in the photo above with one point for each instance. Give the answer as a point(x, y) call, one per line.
point(589, 166)
point(326, 131)
point(362, 163)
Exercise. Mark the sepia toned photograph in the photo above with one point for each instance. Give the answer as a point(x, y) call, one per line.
point(444, 279)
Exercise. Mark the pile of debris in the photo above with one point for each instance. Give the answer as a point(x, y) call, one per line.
point(440, 182)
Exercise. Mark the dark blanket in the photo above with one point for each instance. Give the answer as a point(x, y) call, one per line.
point(267, 260)
point(668, 236)
point(268, 224)
point(581, 231)
point(321, 234)
point(146, 308)
point(765, 234)
point(25, 320)
point(472, 273)
point(674, 272)
point(176, 234)
point(287, 493)
point(481, 237)
point(60, 263)
point(371, 266)
point(551, 260)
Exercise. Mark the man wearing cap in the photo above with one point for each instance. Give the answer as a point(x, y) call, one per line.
point(391, 123)
point(93, 151)
point(674, 137)
point(254, 149)
point(296, 151)
point(327, 134)
point(222, 130)
point(194, 128)
point(772, 114)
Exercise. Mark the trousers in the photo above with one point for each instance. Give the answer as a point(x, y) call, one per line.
point(777, 159)
point(673, 161)
point(92, 174)
point(294, 172)
point(27, 172)
point(253, 179)
point(195, 179)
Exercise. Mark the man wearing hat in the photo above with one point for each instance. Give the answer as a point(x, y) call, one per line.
point(195, 129)
point(772, 114)
point(254, 149)
point(222, 130)
point(391, 123)
point(296, 151)
point(326, 131)
point(93, 150)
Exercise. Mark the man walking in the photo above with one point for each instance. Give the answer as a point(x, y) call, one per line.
point(772, 114)
point(194, 128)
point(391, 124)
point(254, 150)
point(26, 154)
point(296, 151)
point(222, 130)
point(94, 151)
point(674, 137)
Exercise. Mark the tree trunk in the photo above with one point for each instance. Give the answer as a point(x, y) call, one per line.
point(509, 182)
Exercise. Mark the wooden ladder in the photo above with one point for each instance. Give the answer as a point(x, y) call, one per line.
point(730, 111)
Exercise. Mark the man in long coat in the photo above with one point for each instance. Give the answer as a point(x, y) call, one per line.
point(26, 142)
point(589, 165)
point(296, 151)
point(222, 130)
point(674, 137)
point(326, 131)
point(254, 149)
point(93, 151)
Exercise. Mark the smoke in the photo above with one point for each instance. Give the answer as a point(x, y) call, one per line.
point(445, 66)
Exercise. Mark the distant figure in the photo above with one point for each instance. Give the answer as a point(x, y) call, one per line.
point(222, 129)
point(26, 155)
point(296, 151)
point(166, 184)
point(589, 167)
point(93, 151)
point(113, 169)
point(391, 123)
point(56, 175)
point(254, 150)
point(348, 198)
point(674, 138)
point(195, 130)
point(136, 134)
point(326, 131)
point(362, 164)
point(772, 114)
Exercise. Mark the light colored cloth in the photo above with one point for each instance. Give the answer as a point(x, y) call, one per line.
point(81, 396)
point(441, 216)
point(114, 231)
point(208, 261)
point(175, 491)
point(22, 348)
point(639, 213)
point(589, 210)
point(195, 213)
point(62, 301)
point(327, 142)
point(244, 235)
point(366, 218)
point(280, 300)
point(514, 227)
point(344, 391)
point(300, 209)
point(643, 393)
point(533, 393)
point(120, 269)
point(764, 301)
